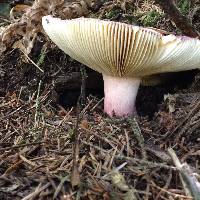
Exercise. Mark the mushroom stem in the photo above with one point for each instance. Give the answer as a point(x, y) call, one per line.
point(120, 95)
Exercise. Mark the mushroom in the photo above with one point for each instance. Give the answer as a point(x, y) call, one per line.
point(123, 53)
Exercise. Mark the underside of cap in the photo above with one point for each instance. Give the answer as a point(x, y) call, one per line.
point(119, 49)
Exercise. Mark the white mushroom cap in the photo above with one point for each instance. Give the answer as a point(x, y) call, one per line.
point(177, 53)
point(119, 49)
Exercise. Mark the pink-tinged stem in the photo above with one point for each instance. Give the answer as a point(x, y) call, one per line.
point(120, 95)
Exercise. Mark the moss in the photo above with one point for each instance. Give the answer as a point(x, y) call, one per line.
point(184, 6)
point(150, 18)
point(113, 14)
point(131, 19)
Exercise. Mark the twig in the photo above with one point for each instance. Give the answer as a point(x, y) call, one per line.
point(83, 86)
point(42, 56)
point(94, 146)
point(13, 112)
point(181, 124)
point(127, 143)
point(32, 61)
point(75, 176)
point(189, 181)
point(179, 19)
point(165, 187)
point(99, 137)
point(112, 158)
point(137, 133)
point(58, 189)
point(97, 103)
point(37, 104)
point(171, 193)
point(36, 192)
point(21, 145)
point(24, 159)
point(147, 164)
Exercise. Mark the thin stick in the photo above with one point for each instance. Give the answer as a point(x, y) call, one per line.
point(75, 176)
point(137, 133)
point(189, 181)
point(37, 103)
point(36, 192)
point(32, 62)
point(21, 145)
